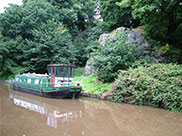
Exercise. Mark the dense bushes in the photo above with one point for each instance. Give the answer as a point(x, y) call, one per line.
point(113, 55)
point(158, 85)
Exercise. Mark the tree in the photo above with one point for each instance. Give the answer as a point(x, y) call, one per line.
point(50, 45)
point(77, 15)
point(114, 16)
point(21, 20)
point(41, 32)
point(11, 57)
point(162, 19)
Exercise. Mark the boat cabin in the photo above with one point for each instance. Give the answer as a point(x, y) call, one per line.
point(61, 74)
point(58, 75)
point(34, 79)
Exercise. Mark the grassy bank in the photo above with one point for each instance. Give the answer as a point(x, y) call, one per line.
point(90, 83)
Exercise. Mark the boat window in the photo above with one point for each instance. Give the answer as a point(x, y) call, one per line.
point(44, 82)
point(61, 71)
point(72, 72)
point(49, 82)
point(36, 81)
point(57, 71)
point(29, 80)
point(16, 78)
point(23, 79)
point(53, 71)
point(20, 79)
point(68, 71)
point(49, 70)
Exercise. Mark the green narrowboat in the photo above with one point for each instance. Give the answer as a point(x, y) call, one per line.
point(58, 83)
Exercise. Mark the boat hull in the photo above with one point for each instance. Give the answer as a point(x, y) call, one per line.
point(62, 93)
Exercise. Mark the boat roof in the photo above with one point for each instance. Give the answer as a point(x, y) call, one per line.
point(34, 75)
point(66, 65)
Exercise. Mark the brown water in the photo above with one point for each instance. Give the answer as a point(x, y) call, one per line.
point(23, 114)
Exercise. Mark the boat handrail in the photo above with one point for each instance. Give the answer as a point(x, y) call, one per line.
point(60, 84)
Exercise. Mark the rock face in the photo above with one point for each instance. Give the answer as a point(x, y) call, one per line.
point(105, 96)
point(89, 69)
point(135, 37)
point(138, 39)
point(103, 37)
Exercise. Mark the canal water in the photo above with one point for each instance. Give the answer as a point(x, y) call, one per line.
point(23, 114)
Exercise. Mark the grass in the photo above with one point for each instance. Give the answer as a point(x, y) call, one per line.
point(90, 83)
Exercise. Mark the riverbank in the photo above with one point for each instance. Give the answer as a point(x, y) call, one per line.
point(83, 93)
point(4, 82)
point(158, 85)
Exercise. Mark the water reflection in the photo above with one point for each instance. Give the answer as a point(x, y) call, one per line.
point(46, 109)
point(31, 115)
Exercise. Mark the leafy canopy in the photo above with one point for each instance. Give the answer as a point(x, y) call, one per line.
point(162, 19)
point(40, 32)
point(114, 16)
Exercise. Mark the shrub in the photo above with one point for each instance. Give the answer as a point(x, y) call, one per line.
point(113, 55)
point(158, 85)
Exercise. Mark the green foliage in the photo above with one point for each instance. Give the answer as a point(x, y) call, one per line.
point(172, 53)
point(50, 45)
point(18, 26)
point(10, 55)
point(114, 16)
point(158, 85)
point(77, 15)
point(21, 20)
point(85, 43)
point(40, 32)
point(79, 71)
point(114, 55)
point(161, 19)
point(175, 55)
point(91, 85)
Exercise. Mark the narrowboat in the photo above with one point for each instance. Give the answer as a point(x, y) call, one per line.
point(58, 83)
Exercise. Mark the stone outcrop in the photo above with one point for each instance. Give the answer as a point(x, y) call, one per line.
point(135, 37)
point(106, 96)
point(89, 69)
point(103, 37)
point(139, 41)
